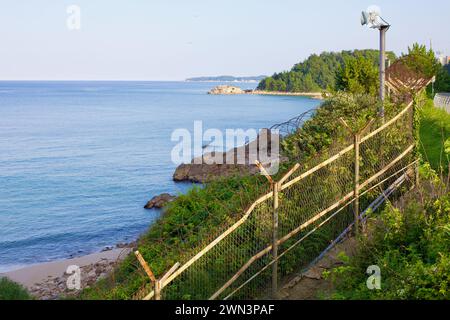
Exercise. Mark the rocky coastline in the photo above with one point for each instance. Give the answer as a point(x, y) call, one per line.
point(49, 280)
point(224, 164)
point(232, 90)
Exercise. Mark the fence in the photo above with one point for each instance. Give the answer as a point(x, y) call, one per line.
point(442, 100)
point(288, 227)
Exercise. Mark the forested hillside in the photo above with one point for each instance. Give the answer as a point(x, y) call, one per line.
point(316, 73)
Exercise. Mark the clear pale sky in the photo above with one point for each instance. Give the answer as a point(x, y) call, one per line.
point(175, 39)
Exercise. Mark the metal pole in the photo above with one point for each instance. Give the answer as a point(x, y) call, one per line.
point(383, 30)
point(275, 242)
point(357, 140)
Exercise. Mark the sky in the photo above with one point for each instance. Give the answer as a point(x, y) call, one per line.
point(176, 39)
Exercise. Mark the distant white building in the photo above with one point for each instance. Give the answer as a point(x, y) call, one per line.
point(443, 59)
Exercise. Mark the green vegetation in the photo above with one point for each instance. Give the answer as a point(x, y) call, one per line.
point(318, 72)
point(410, 243)
point(434, 132)
point(10, 290)
point(192, 220)
point(187, 221)
point(421, 60)
point(443, 79)
point(322, 130)
point(358, 75)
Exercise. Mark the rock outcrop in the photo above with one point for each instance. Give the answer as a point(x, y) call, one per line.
point(201, 173)
point(224, 89)
point(235, 161)
point(159, 201)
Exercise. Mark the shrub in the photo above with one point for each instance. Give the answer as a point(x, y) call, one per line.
point(10, 290)
point(410, 245)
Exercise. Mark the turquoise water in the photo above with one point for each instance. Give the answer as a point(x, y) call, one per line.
point(78, 160)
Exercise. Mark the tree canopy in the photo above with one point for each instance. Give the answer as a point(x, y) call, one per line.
point(443, 79)
point(318, 72)
point(358, 75)
point(422, 60)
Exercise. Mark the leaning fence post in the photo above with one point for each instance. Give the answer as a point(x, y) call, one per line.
point(157, 284)
point(149, 272)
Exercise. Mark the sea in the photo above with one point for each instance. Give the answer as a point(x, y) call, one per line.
point(79, 159)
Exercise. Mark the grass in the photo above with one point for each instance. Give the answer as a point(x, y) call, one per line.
point(9, 290)
point(434, 131)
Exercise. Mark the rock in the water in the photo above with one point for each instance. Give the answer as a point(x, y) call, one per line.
point(224, 89)
point(159, 201)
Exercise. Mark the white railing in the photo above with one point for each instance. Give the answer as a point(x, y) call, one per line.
point(442, 100)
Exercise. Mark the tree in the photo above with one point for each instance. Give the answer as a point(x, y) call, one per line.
point(318, 72)
point(358, 75)
point(421, 60)
point(443, 80)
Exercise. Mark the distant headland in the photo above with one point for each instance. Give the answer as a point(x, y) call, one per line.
point(227, 79)
point(232, 90)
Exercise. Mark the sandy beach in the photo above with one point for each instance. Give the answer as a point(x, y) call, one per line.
point(48, 280)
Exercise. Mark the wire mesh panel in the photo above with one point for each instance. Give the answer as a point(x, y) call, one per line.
point(211, 271)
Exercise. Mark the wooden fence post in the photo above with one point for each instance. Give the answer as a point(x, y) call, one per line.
point(148, 271)
point(275, 241)
point(156, 283)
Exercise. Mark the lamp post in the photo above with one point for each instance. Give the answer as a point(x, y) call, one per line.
point(371, 17)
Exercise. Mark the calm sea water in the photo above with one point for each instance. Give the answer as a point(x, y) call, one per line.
point(78, 160)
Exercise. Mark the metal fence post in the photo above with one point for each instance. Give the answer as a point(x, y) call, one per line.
point(357, 140)
point(275, 241)
point(275, 187)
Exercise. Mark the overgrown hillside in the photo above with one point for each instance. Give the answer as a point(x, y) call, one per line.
point(316, 73)
point(409, 242)
point(203, 213)
point(10, 290)
point(191, 221)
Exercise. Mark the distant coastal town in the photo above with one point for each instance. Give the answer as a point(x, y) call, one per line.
point(227, 79)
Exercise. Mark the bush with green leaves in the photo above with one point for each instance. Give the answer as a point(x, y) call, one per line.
point(10, 290)
point(325, 129)
point(442, 79)
point(409, 242)
point(318, 72)
point(358, 75)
